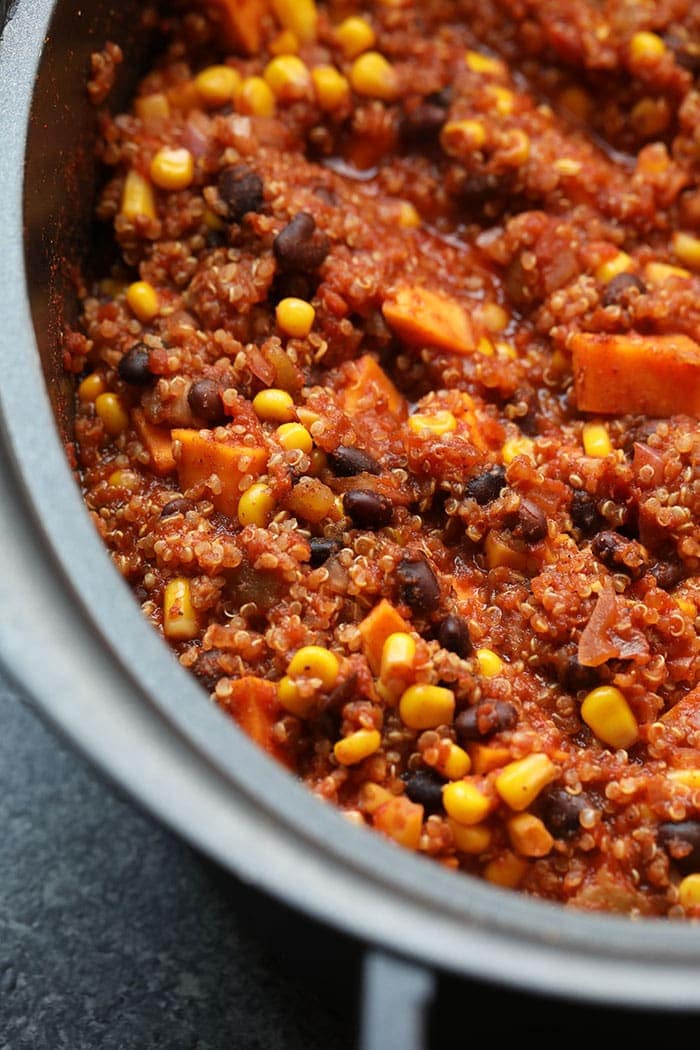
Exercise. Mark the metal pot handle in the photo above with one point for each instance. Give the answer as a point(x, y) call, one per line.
point(396, 998)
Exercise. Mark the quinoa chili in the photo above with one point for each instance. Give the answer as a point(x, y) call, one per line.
point(387, 409)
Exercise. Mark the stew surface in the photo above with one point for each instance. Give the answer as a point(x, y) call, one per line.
point(388, 388)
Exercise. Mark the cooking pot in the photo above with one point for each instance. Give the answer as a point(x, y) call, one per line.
point(74, 639)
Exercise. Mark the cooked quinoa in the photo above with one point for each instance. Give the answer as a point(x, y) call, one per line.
point(387, 409)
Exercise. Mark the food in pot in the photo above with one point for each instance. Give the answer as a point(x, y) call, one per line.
point(387, 409)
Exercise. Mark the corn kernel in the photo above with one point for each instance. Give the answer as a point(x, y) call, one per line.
point(372, 796)
point(490, 663)
point(312, 501)
point(124, 479)
point(465, 802)
point(689, 891)
point(520, 782)
point(299, 16)
point(619, 263)
point(358, 746)
point(294, 436)
point(290, 698)
point(606, 711)
point(295, 317)
point(111, 411)
point(688, 777)
point(179, 615)
point(143, 300)
point(485, 346)
point(314, 661)
point(656, 273)
point(255, 98)
point(462, 136)
point(355, 35)
point(687, 607)
point(439, 422)
point(426, 706)
point(331, 87)
point(398, 657)
point(256, 505)
point(506, 870)
point(274, 406)
point(650, 117)
point(567, 166)
point(503, 98)
point(493, 317)
point(596, 440)
point(646, 46)
point(480, 63)
point(217, 85)
point(285, 43)
point(529, 836)
point(372, 76)
point(149, 106)
point(172, 169)
point(515, 148)
point(408, 217)
point(687, 248)
point(517, 446)
point(91, 387)
point(137, 197)
point(287, 77)
point(473, 839)
point(456, 764)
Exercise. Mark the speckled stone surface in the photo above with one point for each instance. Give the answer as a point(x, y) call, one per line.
point(115, 935)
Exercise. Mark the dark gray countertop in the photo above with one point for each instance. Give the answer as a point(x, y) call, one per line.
point(116, 935)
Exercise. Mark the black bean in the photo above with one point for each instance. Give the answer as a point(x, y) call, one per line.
point(530, 523)
point(321, 550)
point(421, 125)
point(346, 461)
point(617, 288)
point(424, 787)
point(418, 585)
point(204, 398)
point(668, 574)
point(576, 676)
point(685, 51)
point(619, 554)
point(208, 668)
point(682, 843)
point(179, 505)
point(368, 509)
point(300, 247)
point(453, 634)
point(134, 366)
point(559, 811)
point(485, 719)
point(584, 513)
point(486, 487)
point(241, 190)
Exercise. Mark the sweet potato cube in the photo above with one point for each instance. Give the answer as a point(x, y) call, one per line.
point(253, 705)
point(424, 318)
point(376, 627)
point(242, 22)
point(656, 375)
point(401, 820)
point(199, 456)
point(157, 441)
point(370, 387)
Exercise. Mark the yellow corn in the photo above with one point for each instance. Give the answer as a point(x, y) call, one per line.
point(354, 36)
point(274, 406)
point(217, 85)
point(688, 777)
point(287, 77)
point(473, 839)
point(179, 615)
point(529, 836)
point(456, 765)
point(331, 87)
point(606, 711)
point(596, 440)
point(315, 661)
point(111, 411)
point(371, 75)
point(285, 43)
point(124, 479)
point(143, 300)
point(465, 802)
point(299, 16)
point(256, 505)
point(311, 500)
point(358, 746)
point(520, 782)
point(687, 607)
point(517, 446)
point(687, 248)
point(461, 136)
point(493, 317)
point(645, 46)
point(658, 272)
point(91, 387)
point(295, 317)
point(619, 263)
point(398, 656)
point(503, 98)
point(568, 166)
point(490, 663)
point(291, 699)
point(255, 98)
point(137, 197)
point(426, 706)
point(689, 891)
point(154, 105)
point(480, 63)
point(172, 169)
point(293, 436)
point(439, 422)
point(408, 217)
point(507, 870)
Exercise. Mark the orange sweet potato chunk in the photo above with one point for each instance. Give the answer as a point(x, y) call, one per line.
point(370, 385)
point(656, 375)
point(253, 705)
point(376, 627)
point(158, 443)
point(401, 820)
point(242, 22)
point(422, 317)
point(200, 455)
